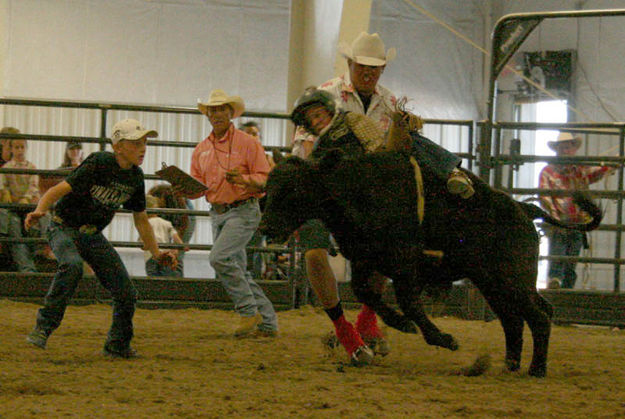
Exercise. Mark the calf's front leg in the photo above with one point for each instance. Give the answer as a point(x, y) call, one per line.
point(408, 292)
point(365, 293)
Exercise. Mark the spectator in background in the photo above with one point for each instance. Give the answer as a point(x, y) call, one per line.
point(252, 128)
point(23, 188)
point(73, 155)
point(183, 223)
point(5, 156)
point(164, 232)
point(569, 177)
point(233, 166)
point(72, 158)
point(19, 189)
point(255, 259)
point(5, 146)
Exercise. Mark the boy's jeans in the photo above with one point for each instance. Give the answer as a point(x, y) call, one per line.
point(72, 247)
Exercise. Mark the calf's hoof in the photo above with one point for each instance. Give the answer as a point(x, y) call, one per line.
point(449, 342)
point(513, 364)
point(539, 372)
point(444, 340)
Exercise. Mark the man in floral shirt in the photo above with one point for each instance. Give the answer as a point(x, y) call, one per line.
point(358, 92)
point(567, 177)
point(358, 89)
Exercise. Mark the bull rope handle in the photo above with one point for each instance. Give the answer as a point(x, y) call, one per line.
point(420, 195)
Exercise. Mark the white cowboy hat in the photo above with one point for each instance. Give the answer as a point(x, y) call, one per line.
point(218, 97)
point(564, 137)
point(367, 50)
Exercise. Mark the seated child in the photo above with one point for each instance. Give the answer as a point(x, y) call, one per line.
point(21, 189)
point(164, 232)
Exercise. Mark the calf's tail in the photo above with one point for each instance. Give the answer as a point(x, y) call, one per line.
point(579, 198)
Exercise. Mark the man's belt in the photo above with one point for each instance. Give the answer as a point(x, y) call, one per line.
point(87, 229)
point(223, 208)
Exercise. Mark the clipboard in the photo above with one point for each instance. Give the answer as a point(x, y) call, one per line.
point(177, 177)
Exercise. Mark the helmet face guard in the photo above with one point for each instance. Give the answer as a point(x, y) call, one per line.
point(310, 98)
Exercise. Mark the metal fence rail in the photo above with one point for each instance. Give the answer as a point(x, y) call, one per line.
point(165, 292)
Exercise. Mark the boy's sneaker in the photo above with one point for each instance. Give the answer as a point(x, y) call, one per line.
point(378, 345)
point(38, 337)
point(367, 327)
point(266, 333)
point(362, 356)
point(113, 351)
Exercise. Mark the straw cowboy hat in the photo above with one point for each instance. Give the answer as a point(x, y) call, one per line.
point(564, 137)
point(218, 97)
point(367, 50)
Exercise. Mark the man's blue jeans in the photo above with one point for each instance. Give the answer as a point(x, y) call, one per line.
point(564, 243)
point(72, 247)
point(232, 231)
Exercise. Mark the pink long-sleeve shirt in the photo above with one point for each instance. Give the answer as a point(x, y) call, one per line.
point(213, 157)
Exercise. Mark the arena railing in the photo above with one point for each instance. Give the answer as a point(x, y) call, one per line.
point(514, 160)
point(464, 135)
point(104, 109)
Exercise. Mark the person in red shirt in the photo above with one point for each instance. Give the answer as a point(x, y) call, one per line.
point(233, 165)
point(570, 177)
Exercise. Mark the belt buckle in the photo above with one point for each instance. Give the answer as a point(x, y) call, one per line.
point(88, 229)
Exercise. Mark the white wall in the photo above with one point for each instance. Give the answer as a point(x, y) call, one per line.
point(322, 26)
point(440, 72)
point(159, 52)
point(139, 51)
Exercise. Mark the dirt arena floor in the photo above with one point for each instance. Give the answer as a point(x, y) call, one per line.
point(191, 367)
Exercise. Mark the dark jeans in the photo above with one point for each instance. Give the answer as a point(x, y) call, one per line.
point(437, 158)
point(564, 243)
point(11, 226)
point(72, 247)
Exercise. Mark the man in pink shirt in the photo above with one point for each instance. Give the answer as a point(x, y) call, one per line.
point(233, 165)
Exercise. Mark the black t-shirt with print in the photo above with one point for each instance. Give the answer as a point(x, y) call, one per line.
point(99, 187)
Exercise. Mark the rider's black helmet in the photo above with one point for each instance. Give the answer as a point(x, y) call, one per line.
point(309, 98)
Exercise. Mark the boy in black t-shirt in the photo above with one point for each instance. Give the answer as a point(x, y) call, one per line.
point(86, 202)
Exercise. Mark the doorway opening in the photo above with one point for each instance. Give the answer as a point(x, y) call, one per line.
point(554, 111)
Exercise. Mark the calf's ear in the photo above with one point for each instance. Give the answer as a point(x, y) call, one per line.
point(329, 161)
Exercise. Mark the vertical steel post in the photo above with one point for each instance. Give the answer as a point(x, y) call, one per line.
point(103, 137)
point(619, 215)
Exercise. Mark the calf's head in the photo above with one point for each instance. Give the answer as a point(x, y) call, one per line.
point(294, 194)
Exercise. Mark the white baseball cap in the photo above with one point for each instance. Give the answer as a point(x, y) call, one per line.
point(131, 130)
